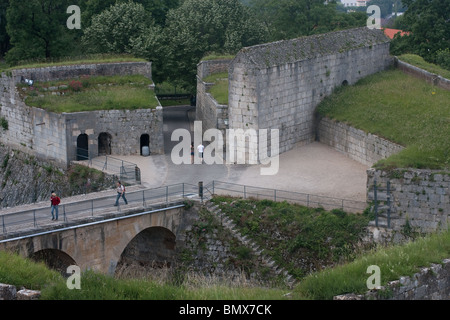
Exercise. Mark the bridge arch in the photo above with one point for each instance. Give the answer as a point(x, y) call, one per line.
point(54, 259)
point(152, 248)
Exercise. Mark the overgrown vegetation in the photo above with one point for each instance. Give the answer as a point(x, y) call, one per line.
point(91, 93)
point(299, 239)
point(402, 109)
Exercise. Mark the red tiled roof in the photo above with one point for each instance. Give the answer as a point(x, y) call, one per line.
point(392, 32)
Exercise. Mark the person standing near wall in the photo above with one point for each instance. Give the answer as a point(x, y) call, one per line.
point(200, 149)
point(55, 201)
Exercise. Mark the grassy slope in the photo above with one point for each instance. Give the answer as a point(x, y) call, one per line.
point(399, 108)
point(394, 262)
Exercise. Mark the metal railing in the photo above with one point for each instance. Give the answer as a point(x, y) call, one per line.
point(69, 212)
point(308, 200)
point(147, 198)
point(126, 171)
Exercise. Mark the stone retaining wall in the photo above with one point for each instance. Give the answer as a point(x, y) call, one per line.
point(429, 77)
point(363, 147)
point(432, 283)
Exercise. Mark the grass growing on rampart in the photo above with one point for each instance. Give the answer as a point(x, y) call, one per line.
point(65, 61)
point(91, 93)
point(220, 88)
point(419, 62)
point(402, 109)
point(394, 262)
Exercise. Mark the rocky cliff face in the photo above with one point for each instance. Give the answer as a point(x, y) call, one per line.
point(25, 179)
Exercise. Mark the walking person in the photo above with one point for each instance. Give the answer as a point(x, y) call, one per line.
point(55, 201)
point(120, 193)
point(192, 153)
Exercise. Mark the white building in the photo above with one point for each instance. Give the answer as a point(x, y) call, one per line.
point(354, 3)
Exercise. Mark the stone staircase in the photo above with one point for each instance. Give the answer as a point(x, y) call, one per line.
point(264, 259)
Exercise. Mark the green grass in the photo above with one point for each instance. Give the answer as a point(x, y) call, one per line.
point(220, 88)
point(214, 56)
point(402, 109)
point(394, 262)
point(418, 61)
point(87, 59)
point(17, 271)
point(91, 93)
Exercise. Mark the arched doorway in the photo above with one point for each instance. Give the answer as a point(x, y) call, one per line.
point(82, 147)
point(151, 250)
point(104, 143)
point(54, 259)
point(145, 142)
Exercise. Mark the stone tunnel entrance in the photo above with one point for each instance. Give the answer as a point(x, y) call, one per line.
point(150, 250)
point(54, 259)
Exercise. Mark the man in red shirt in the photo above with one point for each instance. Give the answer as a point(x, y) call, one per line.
point(55, 200)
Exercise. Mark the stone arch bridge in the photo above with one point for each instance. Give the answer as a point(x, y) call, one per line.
point(105, 245)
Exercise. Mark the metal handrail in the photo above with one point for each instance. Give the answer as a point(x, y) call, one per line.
point(145, 198)
point(309, 200)
point(167, 194)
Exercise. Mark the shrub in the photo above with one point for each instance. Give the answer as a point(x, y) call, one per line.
point(75, 85)
point(443, 58)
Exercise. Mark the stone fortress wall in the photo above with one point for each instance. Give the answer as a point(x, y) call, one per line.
point(56, 136)
point(211, 113)
point(278, 85)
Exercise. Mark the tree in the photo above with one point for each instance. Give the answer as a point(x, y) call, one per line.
point(125, 27)
point(429, 24)
point(4, 38)
point(157, 8)
point(287, 19)
point(198, 27)
point(37, 29)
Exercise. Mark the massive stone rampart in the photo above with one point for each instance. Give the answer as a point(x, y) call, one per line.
point(54, 136)
point(278, 85)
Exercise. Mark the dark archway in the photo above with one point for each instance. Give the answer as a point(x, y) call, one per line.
point(54, 259)
point(82, 147)
point(104, 143)
point(145, 141)
point(153, 248)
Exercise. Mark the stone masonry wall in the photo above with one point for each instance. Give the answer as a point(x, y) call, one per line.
point(432, 283)
point(211, 113)
point(278, 85)
point(363, 147)
point(429, 77)
point(124, 126)
point(420, 199)
point(53, 136)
